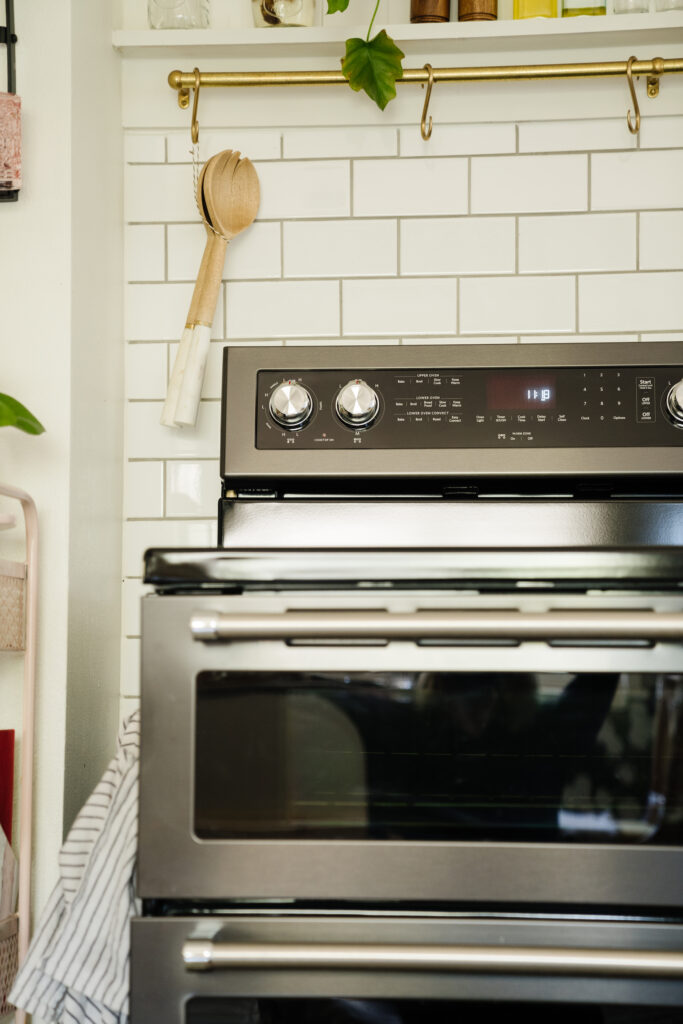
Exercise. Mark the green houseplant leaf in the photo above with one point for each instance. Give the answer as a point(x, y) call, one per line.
point(373, 66)
point(14, 414)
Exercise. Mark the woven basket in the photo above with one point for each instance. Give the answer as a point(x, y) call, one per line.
point(8, 961)
point(12, 619)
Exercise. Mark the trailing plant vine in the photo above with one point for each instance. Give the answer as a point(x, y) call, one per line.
point(371, 65)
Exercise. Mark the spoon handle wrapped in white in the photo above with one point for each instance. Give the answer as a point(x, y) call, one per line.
point(173, 390)
point(195, 367)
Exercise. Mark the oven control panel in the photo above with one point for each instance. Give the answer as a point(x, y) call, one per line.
point(554, 407)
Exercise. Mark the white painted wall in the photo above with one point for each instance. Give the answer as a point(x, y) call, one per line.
point(60, 354)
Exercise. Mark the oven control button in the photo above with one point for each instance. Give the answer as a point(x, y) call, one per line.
point(290, 405)
point(674, 403)
point(357, 404)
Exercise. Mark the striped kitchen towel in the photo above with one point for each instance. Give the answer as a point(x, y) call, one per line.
point(77, 967)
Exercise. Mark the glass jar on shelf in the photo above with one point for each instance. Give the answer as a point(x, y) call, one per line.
point(668, 5)
point(631, 6)
point(284, 13)
point(178, 13)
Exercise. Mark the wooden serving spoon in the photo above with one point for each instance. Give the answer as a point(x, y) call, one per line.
point(176, 379)
point(232, 195)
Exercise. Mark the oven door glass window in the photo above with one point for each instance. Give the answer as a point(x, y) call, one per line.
point(439, 756)
point(412, 1011)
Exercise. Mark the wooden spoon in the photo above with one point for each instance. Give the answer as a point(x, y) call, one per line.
point(176, 379)
point(232, 195)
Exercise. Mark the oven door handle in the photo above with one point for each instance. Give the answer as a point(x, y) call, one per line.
point(205, 955)
point(590, 626)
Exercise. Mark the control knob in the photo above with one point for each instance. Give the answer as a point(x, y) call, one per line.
point(674, 403)
point(357, 404)
point(290, 405)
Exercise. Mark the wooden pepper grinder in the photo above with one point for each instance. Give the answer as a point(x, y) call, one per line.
point(430, 10)
point(477, 10)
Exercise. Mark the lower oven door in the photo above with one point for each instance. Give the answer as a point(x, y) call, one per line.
point(417, 748)
point(402, 969)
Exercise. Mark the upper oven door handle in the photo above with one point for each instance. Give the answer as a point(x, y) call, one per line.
point(513, 626)
point(204, 955)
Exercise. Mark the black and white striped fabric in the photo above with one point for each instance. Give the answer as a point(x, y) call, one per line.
point(77, 967)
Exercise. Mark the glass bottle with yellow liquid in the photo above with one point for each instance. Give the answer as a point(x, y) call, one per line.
point(534, 8)
point(574, 8)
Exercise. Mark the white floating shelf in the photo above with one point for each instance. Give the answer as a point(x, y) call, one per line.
point(632, 30)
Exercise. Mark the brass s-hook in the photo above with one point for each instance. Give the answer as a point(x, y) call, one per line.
point(194, 130)
point(633, 128)
point(424, 130)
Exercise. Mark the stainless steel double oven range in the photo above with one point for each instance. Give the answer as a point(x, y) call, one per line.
point(412, 734)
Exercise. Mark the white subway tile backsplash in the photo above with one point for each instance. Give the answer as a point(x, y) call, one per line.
point(146, 371)
point(631, 302)
point(602, 241)
point(254, 253)
point(618, 338)
point(132, 593)
point(340, 248)
point(661, 240)
point(529, 184)
point(130, 674)
point(254, 143)
point(192, 488)
point(138, 536)
point(405, 306)
point(161, 192)
point(570, 136)
point(520, 304)
point(158, 312)
point(147, 439)
point(386, 188)
point(284, 308)
point(661, 132)
point(459, 140)
point(339, 142)
point(145, 252)
point(313, 342)
point(306, 188)
point(479, 339)
point(458, 245)
point(144, 148)
point(143, 490)
point(644, 180)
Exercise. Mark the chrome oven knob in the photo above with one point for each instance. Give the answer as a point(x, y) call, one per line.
point(674, 403)
point(290, 405)
point(357, 404)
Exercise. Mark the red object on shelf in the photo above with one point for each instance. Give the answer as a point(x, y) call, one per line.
point(6, 780)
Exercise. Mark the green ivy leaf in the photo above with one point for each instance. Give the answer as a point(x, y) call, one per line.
point(14, 414)
point(336, 5)
point(373, 66)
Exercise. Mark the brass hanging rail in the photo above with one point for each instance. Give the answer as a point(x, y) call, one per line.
point(184, 81)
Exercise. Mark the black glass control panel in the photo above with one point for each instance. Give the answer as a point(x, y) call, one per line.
point(555, 407)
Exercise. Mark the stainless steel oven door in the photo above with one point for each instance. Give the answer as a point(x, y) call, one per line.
point(402, 969)
point(519, 749)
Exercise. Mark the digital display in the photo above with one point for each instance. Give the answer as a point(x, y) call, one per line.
point(520, 391)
